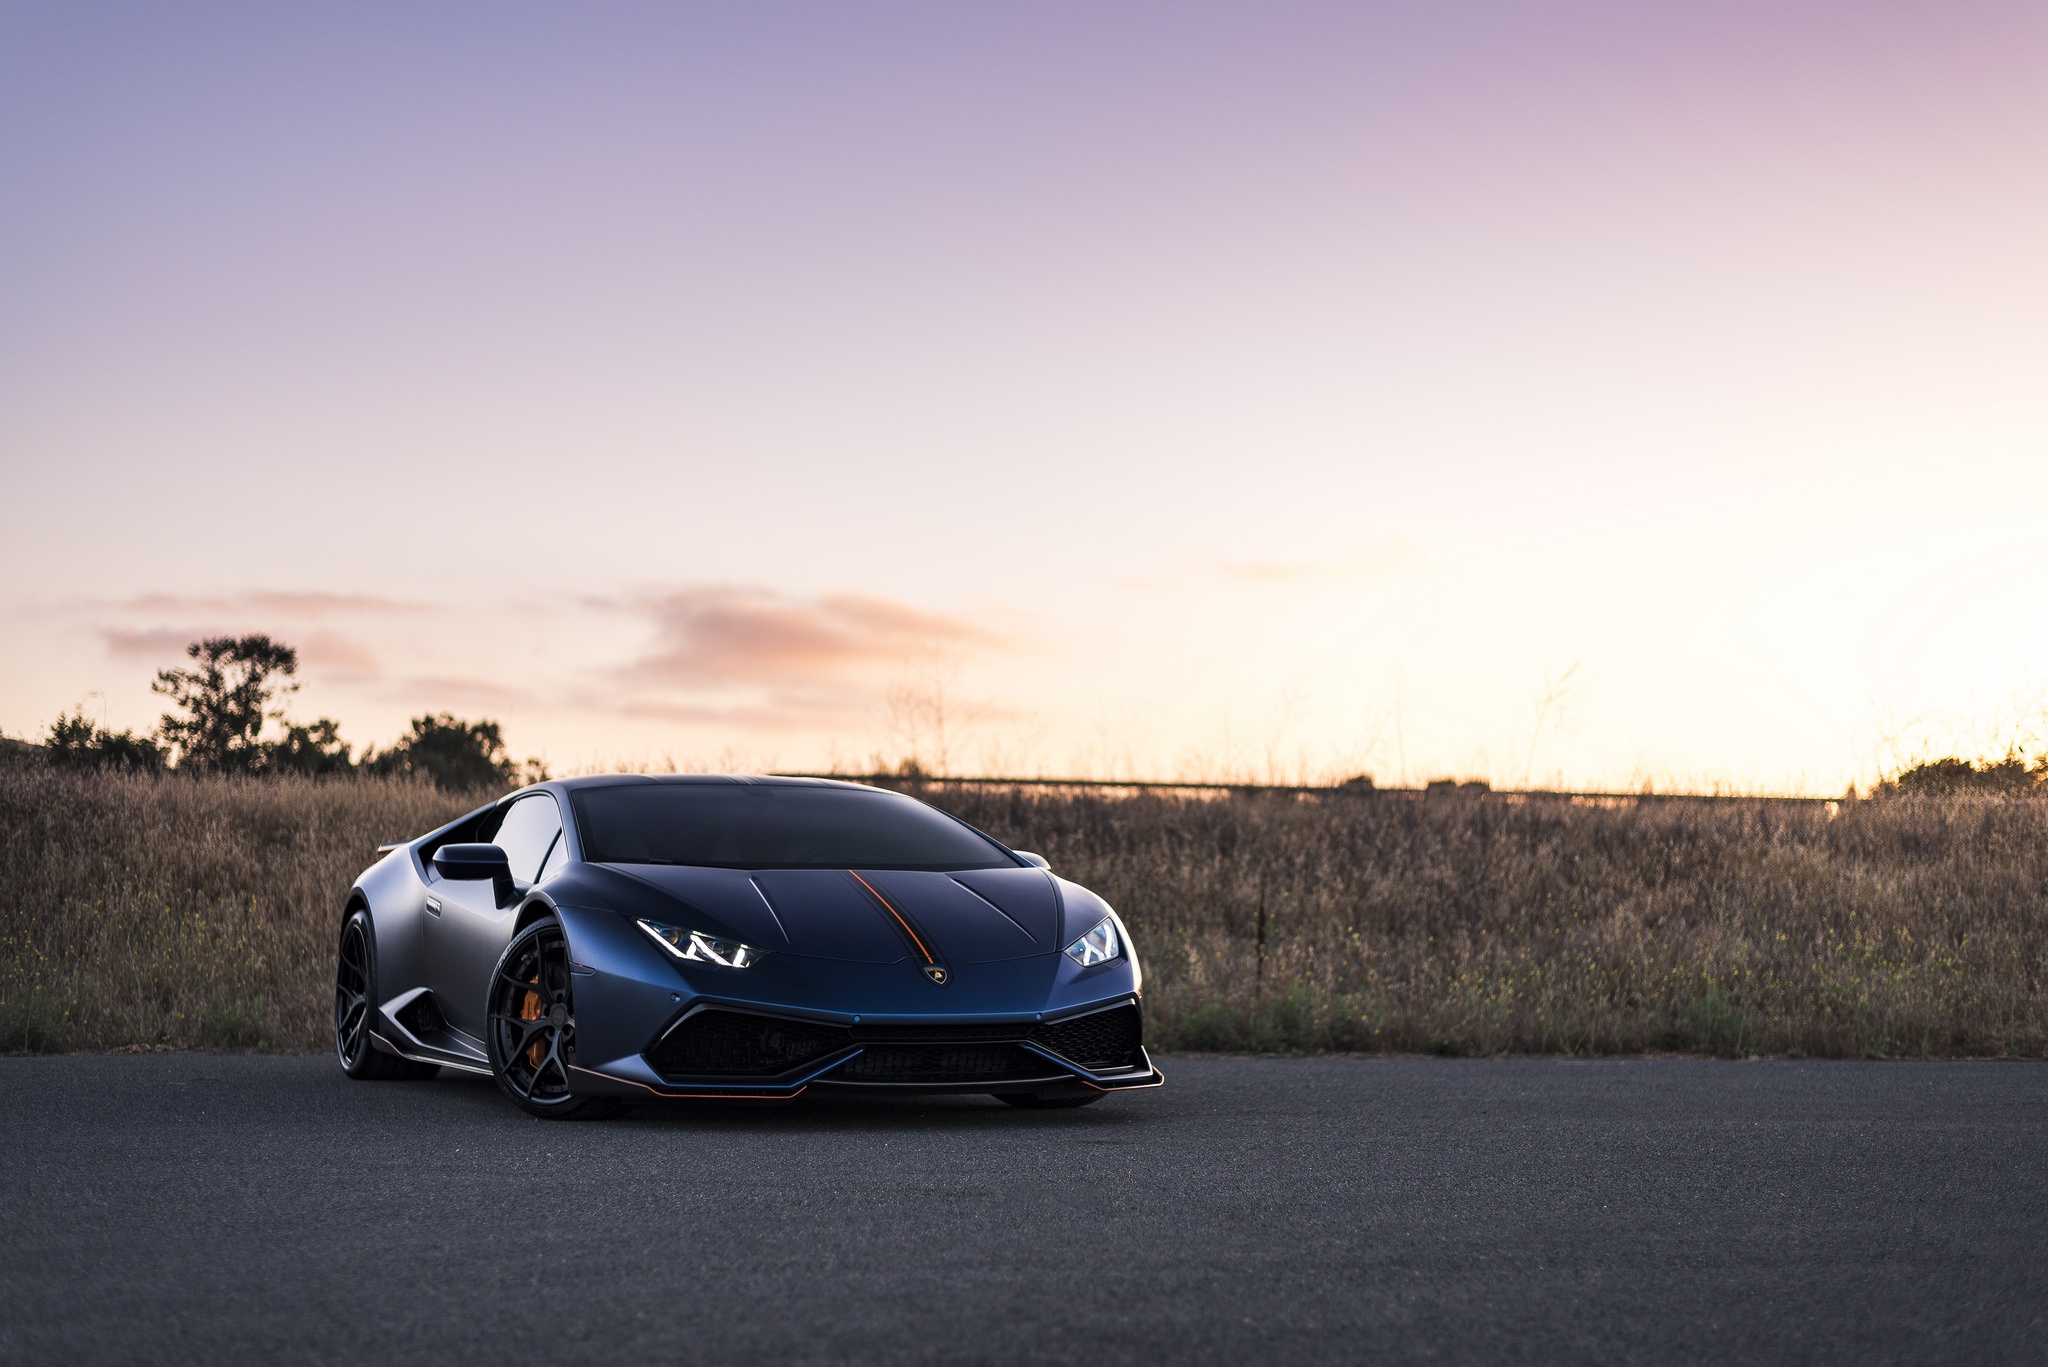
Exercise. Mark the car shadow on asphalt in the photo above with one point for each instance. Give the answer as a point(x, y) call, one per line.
point(479, 1098)
point(878, 1115)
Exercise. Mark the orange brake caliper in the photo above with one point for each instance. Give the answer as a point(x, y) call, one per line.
point(529, 1010)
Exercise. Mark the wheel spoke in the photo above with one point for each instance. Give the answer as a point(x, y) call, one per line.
point(527, 1031)
point(529, 1050)
point(554, 1056)
point(350, 975)
point(351, 999)
point(528, 985)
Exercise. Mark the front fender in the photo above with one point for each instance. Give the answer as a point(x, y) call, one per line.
point(623, 987)
point(394, 897)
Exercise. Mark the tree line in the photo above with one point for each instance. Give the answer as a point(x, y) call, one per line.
point(224, 700)
point(223, 704)
point(2014, 775)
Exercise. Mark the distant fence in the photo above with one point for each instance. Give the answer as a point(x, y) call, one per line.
point(1122, 787)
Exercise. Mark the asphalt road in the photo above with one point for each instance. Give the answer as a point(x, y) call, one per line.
point(201, 1208)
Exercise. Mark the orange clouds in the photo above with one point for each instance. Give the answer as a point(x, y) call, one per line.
point(692, 655)
point(299, 605)
point(328, 651)
point(165, 645)
point(721, 637)
point(766, 660)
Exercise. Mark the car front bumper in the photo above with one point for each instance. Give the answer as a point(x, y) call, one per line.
point(718, 1050)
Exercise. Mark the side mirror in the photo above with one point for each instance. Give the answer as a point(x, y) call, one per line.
point(1036, 861)
point(474, 862)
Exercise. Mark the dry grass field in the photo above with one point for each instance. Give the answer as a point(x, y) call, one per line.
point(1461, 923)
point(187, 912)
point(192, 912)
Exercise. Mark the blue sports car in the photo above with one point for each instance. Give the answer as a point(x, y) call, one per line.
point(591, 941)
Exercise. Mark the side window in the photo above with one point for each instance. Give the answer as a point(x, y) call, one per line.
point(557, 858)
point(528, 831)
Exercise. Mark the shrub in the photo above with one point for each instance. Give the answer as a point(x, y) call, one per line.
point(450, 753)
point(75, 742)
point(2008, 777)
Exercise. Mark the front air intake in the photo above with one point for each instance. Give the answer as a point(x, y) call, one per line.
point(720, 1043)
point(1101, 1042)
point(737, 1044)
point(929, 1063)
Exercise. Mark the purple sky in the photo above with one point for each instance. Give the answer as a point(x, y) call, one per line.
point(1176, 390)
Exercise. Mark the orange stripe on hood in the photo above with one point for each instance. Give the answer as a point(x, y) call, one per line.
point(897, 914)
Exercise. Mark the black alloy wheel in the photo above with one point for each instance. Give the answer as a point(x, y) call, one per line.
point(355, 1004)
point(533, 1027)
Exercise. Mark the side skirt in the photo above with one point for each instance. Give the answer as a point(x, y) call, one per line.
point(434, 1056)
point(425, 1044)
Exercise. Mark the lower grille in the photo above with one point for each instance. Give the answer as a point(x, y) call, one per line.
point(1101, 1042)
point(941, 1034)
point(942, 1063)
point(735, 1044)
point(719, 1043)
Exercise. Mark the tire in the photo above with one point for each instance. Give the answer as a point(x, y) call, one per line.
point(531, 1030)
point(355, 1006)
point(1039, 1101)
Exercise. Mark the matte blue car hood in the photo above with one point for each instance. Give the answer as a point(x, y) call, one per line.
point(974, 916)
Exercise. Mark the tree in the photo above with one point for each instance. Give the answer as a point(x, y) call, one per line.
point(315, 749)
point(2008, 777)
point(75, 743)
point(225, 701)
point(450, 752)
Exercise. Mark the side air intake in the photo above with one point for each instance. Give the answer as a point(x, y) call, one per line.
point(735, 1044)
point(1101, 1042)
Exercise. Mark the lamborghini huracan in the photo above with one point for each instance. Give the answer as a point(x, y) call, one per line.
point(592, 941)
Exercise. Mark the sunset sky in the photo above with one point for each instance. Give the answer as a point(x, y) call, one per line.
point(1569, 394)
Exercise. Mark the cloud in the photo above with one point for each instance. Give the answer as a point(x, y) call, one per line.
point(710, 638)
point(306, 606)
point(712, 656)
point(156, 643)
point(753, 658)
point(328, 652)
point(332, 653)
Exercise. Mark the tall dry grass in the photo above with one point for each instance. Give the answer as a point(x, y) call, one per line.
point(1480, 924)
point(202, 913)
point(140, 909)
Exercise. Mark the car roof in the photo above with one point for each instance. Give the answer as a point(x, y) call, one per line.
point(734, 780)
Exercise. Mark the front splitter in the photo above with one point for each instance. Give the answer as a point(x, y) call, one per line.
point(631, 1079)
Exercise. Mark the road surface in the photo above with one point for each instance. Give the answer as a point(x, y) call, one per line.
point(233, 1208)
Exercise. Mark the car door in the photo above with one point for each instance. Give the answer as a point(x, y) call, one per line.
point(471, 930)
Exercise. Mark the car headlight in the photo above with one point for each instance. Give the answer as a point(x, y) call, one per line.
point(1098, 946)
point(701, 948)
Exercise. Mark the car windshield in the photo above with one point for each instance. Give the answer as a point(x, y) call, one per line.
point(774, 826)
